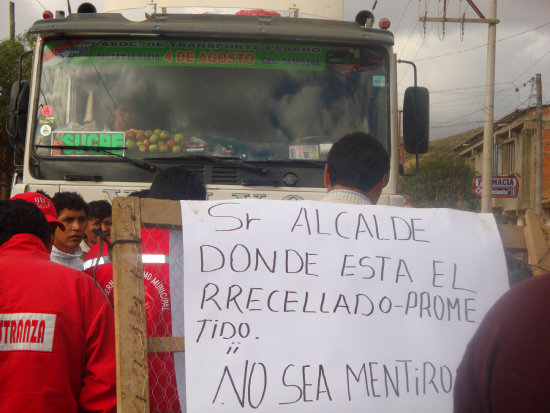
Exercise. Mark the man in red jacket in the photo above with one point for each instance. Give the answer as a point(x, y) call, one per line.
point(172, 183)
point(57, 351)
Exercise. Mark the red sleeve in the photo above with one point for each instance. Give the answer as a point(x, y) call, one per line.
point(102, 271)
point(98, 392)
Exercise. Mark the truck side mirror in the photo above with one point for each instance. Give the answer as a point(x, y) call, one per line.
point(19, 107)
point(416, 120)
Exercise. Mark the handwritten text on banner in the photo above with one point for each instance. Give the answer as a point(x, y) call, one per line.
point(318, 307)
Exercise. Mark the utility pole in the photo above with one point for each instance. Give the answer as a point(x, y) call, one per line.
point(488, 139)
point(538, 159)
point(12, 20)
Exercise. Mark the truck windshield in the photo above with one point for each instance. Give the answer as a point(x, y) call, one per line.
point(254, 101)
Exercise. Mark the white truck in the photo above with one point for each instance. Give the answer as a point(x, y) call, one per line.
point(252, 103)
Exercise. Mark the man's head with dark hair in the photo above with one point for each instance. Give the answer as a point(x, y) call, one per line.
point(177, 183)
point(72, 211)
point(69, 200)
point(99, 209)
point(359, 162)
point(22, 217)
point(99, 217)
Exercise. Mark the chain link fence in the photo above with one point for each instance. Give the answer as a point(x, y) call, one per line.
point(147, 256)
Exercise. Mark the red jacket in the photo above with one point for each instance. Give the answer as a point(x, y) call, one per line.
point(57, 344)
point(163, 394)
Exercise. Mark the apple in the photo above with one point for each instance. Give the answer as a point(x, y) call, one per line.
point(163, 148)
point(140, 135)
point(139, 143)
point(178, 137)
point(177, 149)
point(154, 138)
point(153, 148)
point(143, 148)
point(164, 135)
point(157, 131)
point(146, 142)
point(170, 142)
point(148, 133)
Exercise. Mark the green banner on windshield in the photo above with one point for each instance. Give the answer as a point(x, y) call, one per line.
point(85, 143)
point(185, 53)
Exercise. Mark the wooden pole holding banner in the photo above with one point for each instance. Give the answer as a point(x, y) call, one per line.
point(129, 300)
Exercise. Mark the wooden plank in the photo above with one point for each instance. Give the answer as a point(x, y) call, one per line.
point(161, 213)
point(166, 344)
point(512, 236)
point(129, 299)
point(536, 239)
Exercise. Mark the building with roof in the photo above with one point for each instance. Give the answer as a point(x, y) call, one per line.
point(514, 155)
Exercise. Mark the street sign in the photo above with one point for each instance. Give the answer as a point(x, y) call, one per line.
point(503, 186)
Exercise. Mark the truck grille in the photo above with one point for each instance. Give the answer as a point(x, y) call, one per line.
point(225, 175)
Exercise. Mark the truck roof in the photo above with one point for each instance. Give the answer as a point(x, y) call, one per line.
point(217, 26)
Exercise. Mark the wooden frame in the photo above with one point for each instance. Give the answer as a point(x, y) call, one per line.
point(132, 345)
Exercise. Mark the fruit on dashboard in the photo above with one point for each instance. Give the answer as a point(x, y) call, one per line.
point(158, 140)
point(140, 135)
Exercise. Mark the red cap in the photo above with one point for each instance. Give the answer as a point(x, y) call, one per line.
point(45, 205)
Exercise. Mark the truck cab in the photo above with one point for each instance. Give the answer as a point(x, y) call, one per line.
point(251, 103)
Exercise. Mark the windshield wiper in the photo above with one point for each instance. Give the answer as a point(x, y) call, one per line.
point(229, 160)
point(105, 150)
point(307, 162)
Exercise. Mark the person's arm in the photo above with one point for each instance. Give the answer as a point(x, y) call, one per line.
point(98, 392)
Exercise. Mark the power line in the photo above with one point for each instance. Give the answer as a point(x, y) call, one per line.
point(38, 1)
point(482, 45)
point(402, 51)
point(401, 18)
point(409, 38)
point(474, 122)
point(536, 61)
point(417, 50)
point(465, 88)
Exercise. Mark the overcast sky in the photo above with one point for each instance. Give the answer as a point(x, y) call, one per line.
point(451, 60)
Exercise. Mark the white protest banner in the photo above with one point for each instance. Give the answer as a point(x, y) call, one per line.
point(320, 307)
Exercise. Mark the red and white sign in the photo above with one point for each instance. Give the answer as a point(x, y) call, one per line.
point(27, 331)
point(503, 186)
point(47, 110)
